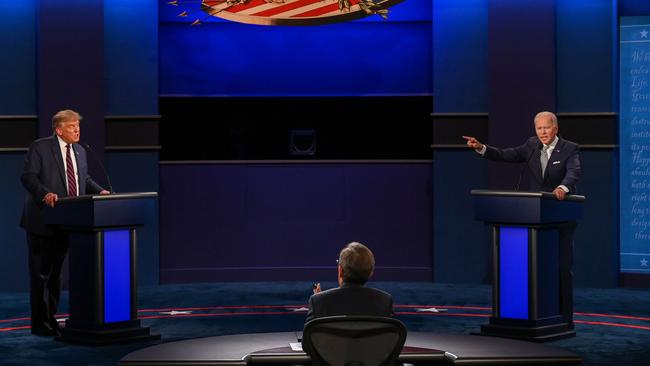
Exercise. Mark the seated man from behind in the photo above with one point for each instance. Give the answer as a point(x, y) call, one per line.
point(355, 266)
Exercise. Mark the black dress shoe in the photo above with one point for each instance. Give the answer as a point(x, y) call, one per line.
point(45, 332)
point(55, 325)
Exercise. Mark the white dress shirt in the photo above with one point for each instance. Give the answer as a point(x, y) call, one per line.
point(73, 154)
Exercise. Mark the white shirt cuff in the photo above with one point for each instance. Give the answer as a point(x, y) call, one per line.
point(564, 188)
point(482, 150)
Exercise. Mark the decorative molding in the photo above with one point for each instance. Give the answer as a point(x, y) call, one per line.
point(297, 162)
point(132, 148)
point(18, 117)
point(449, 127)
point(592, 130)
point(17, 131)
point(152, 117)
point(123, 132)
point(13, 149)
point(132, 132)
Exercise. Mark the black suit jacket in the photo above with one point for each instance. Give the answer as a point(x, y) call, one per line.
point(44, 172)
point(350, 299)
point(563, 166)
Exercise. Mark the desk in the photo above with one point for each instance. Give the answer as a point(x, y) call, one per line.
point(420, 348)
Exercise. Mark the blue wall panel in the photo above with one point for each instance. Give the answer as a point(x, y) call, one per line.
point(461, 244)
point(13, 245)
point(252, 222)
point(18, 60)
point(343, 59)
point(131, 57)
point(585, 57)
point(460, 55)
point(596, 237)
point(138, 172)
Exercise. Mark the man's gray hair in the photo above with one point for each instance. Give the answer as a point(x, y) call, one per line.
point(547, 114)
point(65, 115)
point(357, 262)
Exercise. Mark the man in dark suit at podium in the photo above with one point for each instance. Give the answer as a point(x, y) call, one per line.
point(54, 167)
point(356, 264)
point(553, 162)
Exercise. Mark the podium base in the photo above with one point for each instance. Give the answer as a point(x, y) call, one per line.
point(107, 334)
point(535, 334)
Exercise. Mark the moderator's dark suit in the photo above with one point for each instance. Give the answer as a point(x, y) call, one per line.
point(44, 172)
point(563, 166)
point(350, 299)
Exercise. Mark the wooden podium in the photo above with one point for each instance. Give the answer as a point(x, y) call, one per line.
point(103, 285)
point(532, 251)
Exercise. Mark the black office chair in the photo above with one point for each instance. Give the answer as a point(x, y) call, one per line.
point(353, 340)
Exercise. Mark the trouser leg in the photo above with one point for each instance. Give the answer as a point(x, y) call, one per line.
point(40, 268)
point(58, 253)
point(46, 256)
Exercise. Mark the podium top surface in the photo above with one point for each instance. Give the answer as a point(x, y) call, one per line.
point(112, 196)
point(528, 208)
point(505, 193)
point(93, 211)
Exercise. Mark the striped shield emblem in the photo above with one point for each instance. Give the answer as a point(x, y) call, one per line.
point(295, 12)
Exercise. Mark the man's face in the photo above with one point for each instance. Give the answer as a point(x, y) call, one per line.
point(545, 129)
point(68, 131)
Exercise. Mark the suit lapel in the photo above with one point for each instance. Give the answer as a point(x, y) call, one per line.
point(554, 154)
point(56, 154)
point(536, 165)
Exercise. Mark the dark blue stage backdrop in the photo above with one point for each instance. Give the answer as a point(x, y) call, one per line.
point(252, 221)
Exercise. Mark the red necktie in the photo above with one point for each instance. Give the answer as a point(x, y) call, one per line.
point(72, 182)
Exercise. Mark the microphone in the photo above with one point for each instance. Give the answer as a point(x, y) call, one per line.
point(538, 146)
point(108, 179)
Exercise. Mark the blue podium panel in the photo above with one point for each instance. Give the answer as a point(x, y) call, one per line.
point(117, 275)
point(513, 272)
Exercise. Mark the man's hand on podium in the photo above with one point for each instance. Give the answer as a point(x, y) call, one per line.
point(104, 192)
point(559, 193)
point(50, 199)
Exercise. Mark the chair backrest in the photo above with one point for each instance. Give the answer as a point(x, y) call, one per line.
point(353, 340)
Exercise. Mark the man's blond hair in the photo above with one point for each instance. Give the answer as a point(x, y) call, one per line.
point(65, 115)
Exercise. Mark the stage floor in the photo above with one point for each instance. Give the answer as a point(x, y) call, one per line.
point(420, 347)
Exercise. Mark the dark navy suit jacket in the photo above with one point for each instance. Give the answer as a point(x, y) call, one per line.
point(350, 299)
point(44, 172)
point(563, 166)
